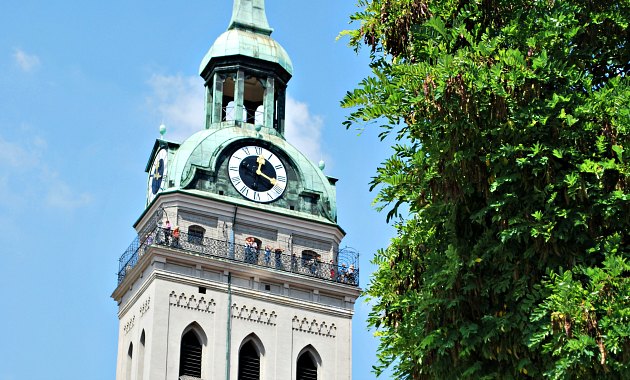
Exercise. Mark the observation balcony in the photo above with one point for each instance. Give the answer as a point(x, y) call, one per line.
point(343, 269)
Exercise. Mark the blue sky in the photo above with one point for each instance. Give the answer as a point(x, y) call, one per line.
point(84, 86)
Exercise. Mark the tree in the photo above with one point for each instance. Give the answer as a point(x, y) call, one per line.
point(508, 183)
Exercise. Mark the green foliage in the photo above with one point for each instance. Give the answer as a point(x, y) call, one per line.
point(589, 317)
point(511, 124)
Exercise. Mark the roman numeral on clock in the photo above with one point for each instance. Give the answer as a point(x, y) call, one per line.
point(244, 190)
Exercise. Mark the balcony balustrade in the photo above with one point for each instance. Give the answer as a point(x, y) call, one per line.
point(345, 270)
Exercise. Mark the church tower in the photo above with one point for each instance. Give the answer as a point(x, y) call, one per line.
point(237, 271)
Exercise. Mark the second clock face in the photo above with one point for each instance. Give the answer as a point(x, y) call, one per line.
point(257, 173)
point(157, 175)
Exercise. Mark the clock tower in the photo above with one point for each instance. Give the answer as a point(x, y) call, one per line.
point(238, 270)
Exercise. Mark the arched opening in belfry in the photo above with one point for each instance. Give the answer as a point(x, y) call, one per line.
point(253, 98)
point(228, 104)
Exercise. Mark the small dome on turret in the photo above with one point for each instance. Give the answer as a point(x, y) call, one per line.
point(245, 43)
point(248, 35)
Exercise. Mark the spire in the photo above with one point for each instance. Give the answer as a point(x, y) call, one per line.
point(250, 15)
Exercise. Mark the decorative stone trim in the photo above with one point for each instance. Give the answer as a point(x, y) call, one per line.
point(192, 303)
point(145, 306)
point(129, 325)
point(254, 315)
point(314, 327)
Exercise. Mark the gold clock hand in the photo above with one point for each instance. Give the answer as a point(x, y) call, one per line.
point(272, 180)
point(156, 174)
point(261, 162)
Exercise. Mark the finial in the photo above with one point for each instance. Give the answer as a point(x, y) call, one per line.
point(250, 15)
point(162, 131)
point(322, 165)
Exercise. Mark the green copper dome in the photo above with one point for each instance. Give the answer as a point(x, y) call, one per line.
point(248, 35)
point(200, 166)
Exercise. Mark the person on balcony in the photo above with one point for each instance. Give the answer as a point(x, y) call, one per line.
point(148, 240)
point(331, 264)
point(313, 264)
point(267, 255)
point(294, 262)
point(176, 237)
point(167, 232)
point(278, 252)
point(248, 249)
point(350, 274)
point(343, 273)
point(254, 256)
point(251, 250)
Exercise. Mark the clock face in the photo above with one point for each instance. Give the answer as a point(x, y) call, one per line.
point(157, 175)
point(257, 173)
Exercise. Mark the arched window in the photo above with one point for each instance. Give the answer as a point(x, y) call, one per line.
point(253, 98)
point(141, 357)
point(249, 361)
point(190, 355)
point(228, 97)
point(195, 234)
point(129, 361)
point(308, 255)
point(307, 363)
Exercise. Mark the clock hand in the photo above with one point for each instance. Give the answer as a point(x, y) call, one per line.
point(156, 174)
point(261, 162)
point(272, 180)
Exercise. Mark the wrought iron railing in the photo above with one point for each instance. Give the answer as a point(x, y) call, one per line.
point(345, 270)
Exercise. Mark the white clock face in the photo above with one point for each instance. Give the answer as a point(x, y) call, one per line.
point(157, 175)
point(257, 173)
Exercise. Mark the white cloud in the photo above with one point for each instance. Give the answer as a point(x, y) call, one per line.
point(179, 101)
point(17, 156)
point(304, 130)
point(25, 173)
point(26, 62)
point(61, 195)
